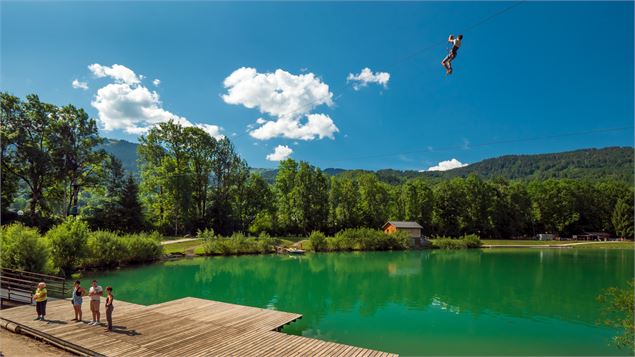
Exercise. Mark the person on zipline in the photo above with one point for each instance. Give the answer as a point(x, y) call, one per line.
point(447, 61)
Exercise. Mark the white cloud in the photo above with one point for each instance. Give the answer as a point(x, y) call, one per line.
point(316, 125)
point(212, 130)
point(79, 85)
point(281, 152)
point(367, 76)
point(287, 97)
point(447, 165)
point(121, 74)
point(156, 82)
point(130, 106)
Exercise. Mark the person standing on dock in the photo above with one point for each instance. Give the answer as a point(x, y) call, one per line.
point(109, 307)
point(40, 300)
point(95, 292)
point(77, 301)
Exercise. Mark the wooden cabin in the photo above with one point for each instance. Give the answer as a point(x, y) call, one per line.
point(413, 228)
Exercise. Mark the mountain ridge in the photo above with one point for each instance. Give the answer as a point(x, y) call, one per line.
point(591, 163)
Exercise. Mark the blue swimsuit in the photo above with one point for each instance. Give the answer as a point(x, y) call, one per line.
point(77, 297)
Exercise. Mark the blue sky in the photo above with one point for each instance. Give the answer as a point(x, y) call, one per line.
point(538, 70)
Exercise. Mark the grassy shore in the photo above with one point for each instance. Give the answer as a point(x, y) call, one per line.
point(607, 245)
point(196, 246)
point(571, 243)
point(523, 242)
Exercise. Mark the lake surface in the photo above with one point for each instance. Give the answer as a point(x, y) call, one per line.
point(476, 302)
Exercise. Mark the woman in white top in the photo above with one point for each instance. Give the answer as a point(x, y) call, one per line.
point(447, 61)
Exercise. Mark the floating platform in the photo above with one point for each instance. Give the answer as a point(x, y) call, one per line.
point(183, 327)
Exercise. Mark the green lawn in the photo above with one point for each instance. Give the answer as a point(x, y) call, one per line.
point(607, 245)
point(523, 242)
point(182, 247)
point(588, 245)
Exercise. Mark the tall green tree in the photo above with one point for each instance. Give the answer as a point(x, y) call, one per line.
point(166, 176)
point(76, 157)
point(202, 153)
point(449, 209)
point(554, 205)
point(229, 172)
point(284, 184)
point(309, 198)
point(623, 217)
point(344, 206)
point(129, 208)
point(29, 128)
point(10, 113)
point(418, 203)
point(479, 197)
point(373, 198)
point(511, 212)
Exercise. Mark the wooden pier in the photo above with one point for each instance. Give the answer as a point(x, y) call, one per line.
point(184, 327)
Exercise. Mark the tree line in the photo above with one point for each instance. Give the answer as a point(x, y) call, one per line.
point(190, 181)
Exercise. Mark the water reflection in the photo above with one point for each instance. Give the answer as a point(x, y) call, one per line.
point(407, 302)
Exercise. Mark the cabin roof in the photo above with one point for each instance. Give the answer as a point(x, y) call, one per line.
point(403, 224)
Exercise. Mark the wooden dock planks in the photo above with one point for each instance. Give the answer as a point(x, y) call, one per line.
point(184, 327)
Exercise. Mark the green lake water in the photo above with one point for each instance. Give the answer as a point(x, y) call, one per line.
point(476, 302)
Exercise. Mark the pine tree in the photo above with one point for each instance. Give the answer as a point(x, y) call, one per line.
point(129, 209)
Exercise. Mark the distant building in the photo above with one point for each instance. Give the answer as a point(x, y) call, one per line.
point(599, 236)
point(545, 236)
point(413, 228)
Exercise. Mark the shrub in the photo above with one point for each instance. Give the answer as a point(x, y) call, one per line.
point(318, 241)
point(468, 241)
point(237, 244)
point(448, 243)
point(105, 249)
point(206, 234)
point(472, 241)
point(142, 247)
point(617, 312)
point(341, 241)
point(368, 239)
point(401, 240)
point(68, 243)
point(22, 248)
point(266, 244)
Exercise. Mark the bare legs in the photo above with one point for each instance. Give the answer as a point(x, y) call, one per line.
point(447, 64)
point(94, 308)
point(78, 312)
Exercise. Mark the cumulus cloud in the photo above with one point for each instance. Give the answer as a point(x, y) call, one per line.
point(121, 74)
point(315, 125)
point(79, 85)
point(447, 165)
point(287, 97)
point(212, 130)
point(281, 152)
point(156, 82)
point(130, 106)
point(367, 76)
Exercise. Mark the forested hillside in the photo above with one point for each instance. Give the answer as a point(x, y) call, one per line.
point(615, 163)
point(611, 162)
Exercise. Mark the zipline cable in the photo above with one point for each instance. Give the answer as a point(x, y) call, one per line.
point(410, 56)
point(491, 143)
point(466, 30)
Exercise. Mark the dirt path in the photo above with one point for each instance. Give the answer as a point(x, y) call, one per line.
point(14, 345)
point(178, 240)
